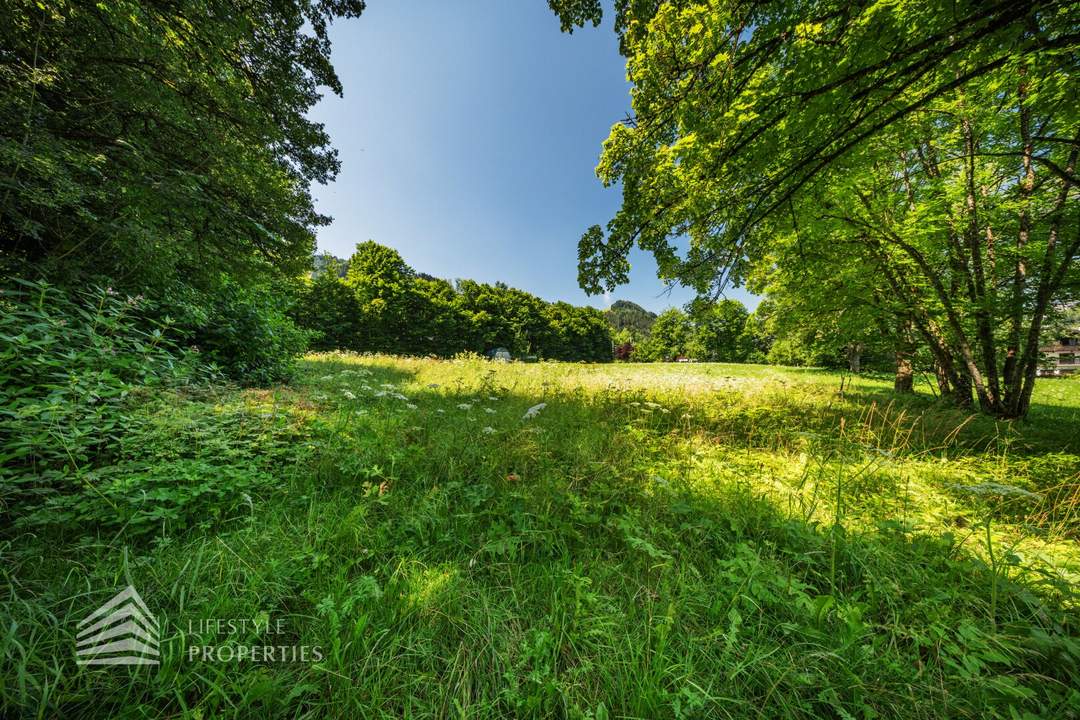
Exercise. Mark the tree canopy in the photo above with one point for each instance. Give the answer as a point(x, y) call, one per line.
point(935, 143)
point(156, 141)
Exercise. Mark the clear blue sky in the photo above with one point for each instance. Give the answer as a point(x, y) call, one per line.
point(469, 133)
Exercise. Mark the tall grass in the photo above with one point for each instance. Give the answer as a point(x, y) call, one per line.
point(654, 542)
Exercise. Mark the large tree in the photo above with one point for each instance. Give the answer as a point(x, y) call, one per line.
point(938, 141)
point(161, 140)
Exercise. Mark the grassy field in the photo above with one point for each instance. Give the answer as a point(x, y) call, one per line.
point(477, 540)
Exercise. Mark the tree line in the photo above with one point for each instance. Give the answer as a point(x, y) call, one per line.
point(376, 302)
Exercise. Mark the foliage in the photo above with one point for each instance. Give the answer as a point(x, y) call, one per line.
point(158, 142)
point(943, 162)
point(71, 364)
point(710, 331)
point(662, 541)
point(244, 331)
point(383, 305)
point(718, 328)
point(671, 336)
point(626, 315)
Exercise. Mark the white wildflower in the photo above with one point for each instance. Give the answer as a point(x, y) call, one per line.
point(464, 406)
point(348, 394)
point(489, 411)
point(488, 430)
point(440, 411)
point(411, 406)
point(380, 393)
point(492, 398)
point(533, 411)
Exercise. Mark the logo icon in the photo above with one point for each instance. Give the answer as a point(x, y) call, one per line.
point(123, 631)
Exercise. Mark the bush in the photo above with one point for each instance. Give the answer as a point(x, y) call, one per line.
point(243, 331)
point(69, 362)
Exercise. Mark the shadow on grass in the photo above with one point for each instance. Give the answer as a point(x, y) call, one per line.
point(566, 565)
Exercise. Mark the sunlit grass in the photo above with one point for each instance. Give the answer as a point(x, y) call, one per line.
point(474, 539)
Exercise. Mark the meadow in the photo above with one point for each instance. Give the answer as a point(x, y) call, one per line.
point(462, 538)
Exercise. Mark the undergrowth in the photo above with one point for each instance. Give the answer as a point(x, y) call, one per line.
point(468, 539)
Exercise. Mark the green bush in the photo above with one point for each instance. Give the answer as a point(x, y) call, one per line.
point(245, 332)
point(69, 363)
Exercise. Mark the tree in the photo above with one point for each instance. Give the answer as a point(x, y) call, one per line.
point(381, 282)
point(717, 328)
point(381, 304)
point(671, 336)
point(164, 142)
point(833, 305)
point(945, 158)
point(329, 308)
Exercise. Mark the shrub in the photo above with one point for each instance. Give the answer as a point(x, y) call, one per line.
point(69, 361)
point(243, 331)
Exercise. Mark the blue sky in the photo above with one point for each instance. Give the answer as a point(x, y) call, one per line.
point(468, 134)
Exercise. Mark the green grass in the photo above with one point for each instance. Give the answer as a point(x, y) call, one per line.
point(658, 541)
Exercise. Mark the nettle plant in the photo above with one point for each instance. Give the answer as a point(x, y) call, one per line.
point(70, 362)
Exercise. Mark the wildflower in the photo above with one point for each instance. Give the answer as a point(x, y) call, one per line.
point(488, 430)
point(440, 411)
point(411, 406)
point(492, 398)
point(533, 411)
point(348, 394)
point(652, 405)
point(398, 396)
point(489, 411)
point(324, 378)
point(464, 406)
point(380, 393)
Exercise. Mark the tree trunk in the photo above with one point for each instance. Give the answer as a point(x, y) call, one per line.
point(962, 391)
point(905, 373)
point(905, 349)
point(944, 386)
point(854, 357)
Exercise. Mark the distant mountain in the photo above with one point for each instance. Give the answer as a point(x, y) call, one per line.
point(325, 262)
point(624, 314)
